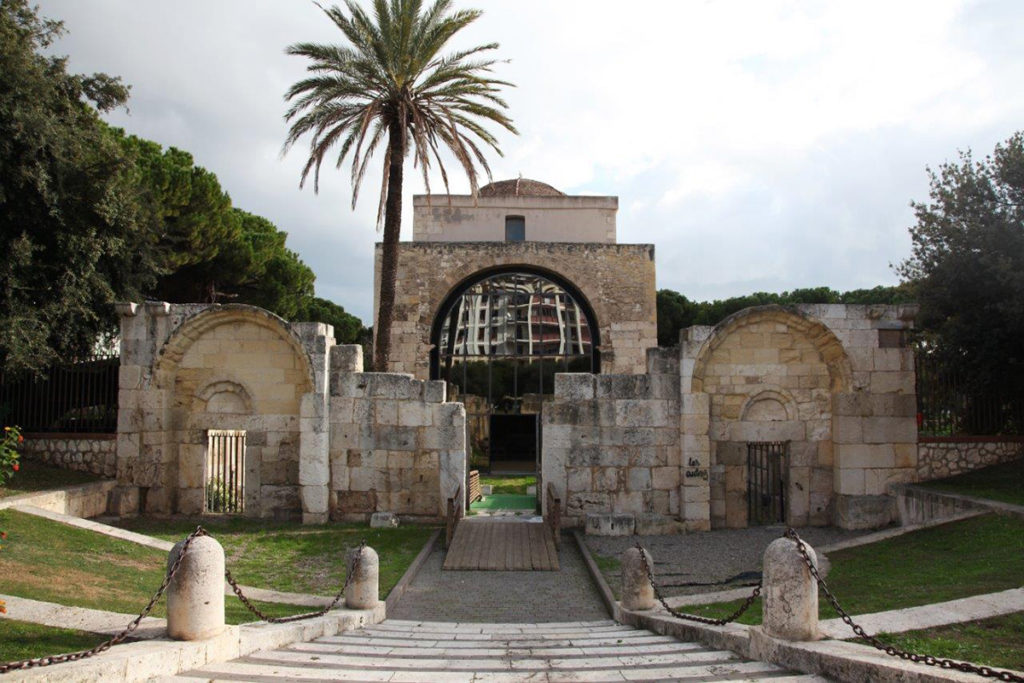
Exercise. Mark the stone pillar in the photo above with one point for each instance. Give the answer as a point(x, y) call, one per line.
point(363, 590)
point(790, 593)
point(637, 591)
point(195, 596)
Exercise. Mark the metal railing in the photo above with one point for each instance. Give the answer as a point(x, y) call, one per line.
point(947, 405)
point(76, 396)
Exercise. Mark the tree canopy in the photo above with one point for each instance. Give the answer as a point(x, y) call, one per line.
point(90, 215)
point(966, 267)
point(390, 82)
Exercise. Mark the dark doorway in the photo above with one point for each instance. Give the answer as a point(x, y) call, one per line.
point(513, 443)
point(767, 464)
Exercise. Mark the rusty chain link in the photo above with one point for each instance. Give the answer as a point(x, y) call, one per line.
point(940, 662)
point(693, 617)
point(296, 617)
point(107, 644)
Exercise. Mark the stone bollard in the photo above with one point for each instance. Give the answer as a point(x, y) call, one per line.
point(195, 596)
point(637, 591)
point(363, 590)
point(790, 593)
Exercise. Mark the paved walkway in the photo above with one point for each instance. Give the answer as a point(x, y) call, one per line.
point(502, 596)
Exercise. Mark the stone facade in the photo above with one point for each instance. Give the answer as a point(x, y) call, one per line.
point(939, 457)
point(834, 383)
point(93, 453)
point(187, 370)
point(615, 280)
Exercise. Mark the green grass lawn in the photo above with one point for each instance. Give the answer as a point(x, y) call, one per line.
point(511, 485)
point(505, 501)
point(22, 640)
point(291, 557)
point(995, 642)
point(974, 556)
point(44, 560)
point(1004, 483)
point(34, 477)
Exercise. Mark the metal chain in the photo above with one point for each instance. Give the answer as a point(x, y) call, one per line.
point(296, 617)
point(106, 645)
point(693, 617)
point(966, 667)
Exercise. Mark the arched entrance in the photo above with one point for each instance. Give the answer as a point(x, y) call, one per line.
point(498, 339)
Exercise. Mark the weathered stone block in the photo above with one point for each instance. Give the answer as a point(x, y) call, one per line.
point(610, 524)
point(574, 386)
point(383, 520)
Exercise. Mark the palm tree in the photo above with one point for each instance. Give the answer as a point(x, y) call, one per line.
point(391, 81)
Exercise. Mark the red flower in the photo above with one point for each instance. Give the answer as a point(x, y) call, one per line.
point(21, 439)
point(15, 467)
point(3, 535)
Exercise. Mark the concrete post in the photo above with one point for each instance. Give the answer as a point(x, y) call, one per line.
point(195, 596)
point(637, 591)
point(364, 589)
point(790, 593)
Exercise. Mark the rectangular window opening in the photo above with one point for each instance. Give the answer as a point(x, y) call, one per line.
point(515, 228)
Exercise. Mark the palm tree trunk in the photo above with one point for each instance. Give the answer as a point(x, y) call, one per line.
point(389, 253)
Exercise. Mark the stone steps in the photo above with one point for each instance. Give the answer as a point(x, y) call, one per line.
point(438, 652)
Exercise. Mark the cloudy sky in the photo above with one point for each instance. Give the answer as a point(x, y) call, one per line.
point(760, 145)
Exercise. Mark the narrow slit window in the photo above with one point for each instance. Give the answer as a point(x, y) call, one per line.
point(515, 229)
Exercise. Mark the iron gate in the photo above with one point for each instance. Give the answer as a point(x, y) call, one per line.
point(767, 464)
point(225, 470)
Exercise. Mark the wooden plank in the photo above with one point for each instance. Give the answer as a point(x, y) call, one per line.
point(537, 559)
point(523, 547)
point(511, 537)
point(549, 542)
point(496, 550)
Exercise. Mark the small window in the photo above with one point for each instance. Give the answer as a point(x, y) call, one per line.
point(515, 229)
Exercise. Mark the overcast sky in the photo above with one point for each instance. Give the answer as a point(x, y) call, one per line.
point(760, 146)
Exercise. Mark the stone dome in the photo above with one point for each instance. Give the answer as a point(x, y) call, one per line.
point(519, 187)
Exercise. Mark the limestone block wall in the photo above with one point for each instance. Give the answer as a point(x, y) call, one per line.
point(93, 453)
point(617, 280)
point(611, 442)
point(940, 457)
point(395, 444)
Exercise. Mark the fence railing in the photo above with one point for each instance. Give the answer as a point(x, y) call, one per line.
point(76, 396)
point(947, 405)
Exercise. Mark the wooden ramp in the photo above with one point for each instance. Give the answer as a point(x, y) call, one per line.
point(499, 545)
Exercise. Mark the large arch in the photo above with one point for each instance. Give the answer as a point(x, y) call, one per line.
point(771, 375)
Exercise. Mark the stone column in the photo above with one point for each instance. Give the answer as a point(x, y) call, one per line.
point(637, 591)
point(195, 596)
point(790, 593)
point(363, 590)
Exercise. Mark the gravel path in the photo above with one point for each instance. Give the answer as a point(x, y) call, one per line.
point(712, 557)
point(502, 597)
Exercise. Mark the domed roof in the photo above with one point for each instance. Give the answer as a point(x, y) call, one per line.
point(519, 187)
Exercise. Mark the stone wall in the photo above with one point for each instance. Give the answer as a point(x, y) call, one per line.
point(611, 442)
point(93, 453)
point(395, 444)
point(939, 457)
point(616, 280)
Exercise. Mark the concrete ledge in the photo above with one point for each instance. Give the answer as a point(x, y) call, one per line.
point(407, 578)
point(156, 658)
point(83, 500)
point(607, 597)
point(918, 504)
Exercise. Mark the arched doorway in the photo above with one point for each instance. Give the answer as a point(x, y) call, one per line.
point(498, 339)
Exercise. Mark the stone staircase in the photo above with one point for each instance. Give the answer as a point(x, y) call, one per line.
point(439, 651)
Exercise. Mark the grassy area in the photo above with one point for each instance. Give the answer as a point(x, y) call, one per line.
point(34, 476)
point(510, 485)
point(505, 501)
point(290, 557)
point(22, 640)
point(995, 642)
point(44, 560)
point(979, 555)
point(1004, 483)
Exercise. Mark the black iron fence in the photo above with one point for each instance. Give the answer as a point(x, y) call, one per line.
point(77, 396)
point(949, 405)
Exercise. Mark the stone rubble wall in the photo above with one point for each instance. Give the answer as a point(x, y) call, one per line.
point(395, 444)
point(940, 458)
point(92, 453)
point(611, 442)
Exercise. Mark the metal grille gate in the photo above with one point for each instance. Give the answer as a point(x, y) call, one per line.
point(225, 470)
point(767, 464)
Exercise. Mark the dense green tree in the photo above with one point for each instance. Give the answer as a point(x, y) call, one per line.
point(68, 226)
point(392, 83)
point(967, 267)
point(348, 329)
